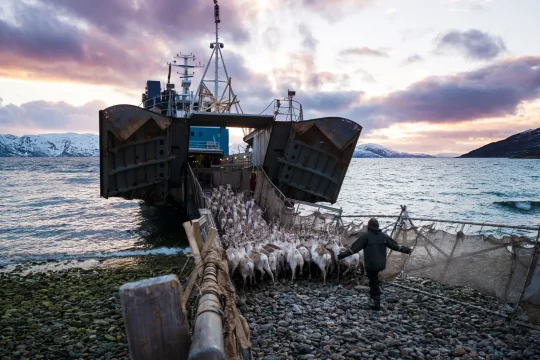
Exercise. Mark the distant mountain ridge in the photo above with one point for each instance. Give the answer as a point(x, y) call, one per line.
point(521, 145)
point(50, 145)
point(84, 145)
point(378, 151)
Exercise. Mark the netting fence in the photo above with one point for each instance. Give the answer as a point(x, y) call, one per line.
point(497, 260)
point(292, 213)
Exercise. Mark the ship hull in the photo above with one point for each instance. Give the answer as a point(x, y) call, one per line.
point(145, 155)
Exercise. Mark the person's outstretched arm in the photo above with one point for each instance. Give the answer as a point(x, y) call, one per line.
point(392, 244)
point(357, 246)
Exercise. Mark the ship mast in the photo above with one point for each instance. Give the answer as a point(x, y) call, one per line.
point(216, 44)
point(184, 98)
point(206, 100)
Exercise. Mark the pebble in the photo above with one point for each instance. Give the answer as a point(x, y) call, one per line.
point(72, 313)
point(335, 323)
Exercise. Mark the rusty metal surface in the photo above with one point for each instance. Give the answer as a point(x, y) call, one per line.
point(338, 130)
point(136, 161)
point(127, 119)
point(309, 160)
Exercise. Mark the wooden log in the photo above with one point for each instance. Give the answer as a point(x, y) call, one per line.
point(197, 233)
point(155, 324)
point(210, 240)
point(197, 271)
point(208, 341)
point(190, 233)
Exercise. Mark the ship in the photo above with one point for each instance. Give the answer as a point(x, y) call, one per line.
point(175, 144)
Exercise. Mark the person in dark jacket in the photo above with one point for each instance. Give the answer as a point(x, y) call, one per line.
point(253, 181)
point(374, 243)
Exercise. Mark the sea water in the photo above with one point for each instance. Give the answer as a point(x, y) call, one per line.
point(50, 208)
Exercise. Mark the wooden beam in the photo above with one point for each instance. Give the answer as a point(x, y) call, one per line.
point(197, 271)
point(156, 326)
point(197, 233)
point(208, 341)
point(210, 240)
point(190, 233)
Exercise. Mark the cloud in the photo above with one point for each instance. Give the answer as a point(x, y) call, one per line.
point(492, 91)
point(331, 10)
point(364, 51)
point(168, 18)
point(118, 43)
point(468, 5)
point(473, 44)
point(43, 116)
point(414, 58)
point(366, 76)
point(454, 138)
point(271, 36)
point(308, 41)
point(336, 102)
point(244, 79)
point(415, 33)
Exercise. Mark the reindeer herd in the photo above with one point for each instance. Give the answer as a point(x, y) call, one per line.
point(254, 246)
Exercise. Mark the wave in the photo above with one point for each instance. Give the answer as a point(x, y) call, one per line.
point(520, 206)
point(90, 256)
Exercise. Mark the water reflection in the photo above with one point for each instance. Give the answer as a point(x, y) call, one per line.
point(160, 226)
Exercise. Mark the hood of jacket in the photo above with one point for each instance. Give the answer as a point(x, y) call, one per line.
point(374, 230)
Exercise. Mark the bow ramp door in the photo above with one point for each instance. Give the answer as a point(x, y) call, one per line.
point(307, 160)
point(142, 154)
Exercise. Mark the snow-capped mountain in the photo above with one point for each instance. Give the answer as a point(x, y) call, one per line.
point(523, 144)
point(53, 145)
point(378, 151)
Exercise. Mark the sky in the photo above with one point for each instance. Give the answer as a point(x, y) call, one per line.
point(429, 76)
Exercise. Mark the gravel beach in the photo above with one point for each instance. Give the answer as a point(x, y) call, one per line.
point(73, 312)
point(310, 321)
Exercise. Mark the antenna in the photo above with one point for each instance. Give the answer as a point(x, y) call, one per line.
point(215, 100)
point(217, 21)
point(185, 97)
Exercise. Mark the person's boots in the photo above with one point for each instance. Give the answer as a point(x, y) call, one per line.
point(375, 302)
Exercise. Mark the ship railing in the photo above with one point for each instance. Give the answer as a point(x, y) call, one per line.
point(296, 211)
point(288, 108)
point(156, 104)
point(240, 159)
point(204, 145)
point(198, 193)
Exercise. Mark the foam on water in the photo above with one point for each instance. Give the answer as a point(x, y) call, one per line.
point(521, 206)
point(88, 256)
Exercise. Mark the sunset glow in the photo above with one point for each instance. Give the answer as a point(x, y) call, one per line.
point(441, 76)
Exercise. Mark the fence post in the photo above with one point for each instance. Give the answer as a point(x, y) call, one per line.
point(156, 326)
point(529, 274)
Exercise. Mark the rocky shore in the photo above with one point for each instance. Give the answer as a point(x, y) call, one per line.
point(74, 312)
point(311, 321)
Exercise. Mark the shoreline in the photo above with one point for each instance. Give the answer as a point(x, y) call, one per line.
point(74, 312)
